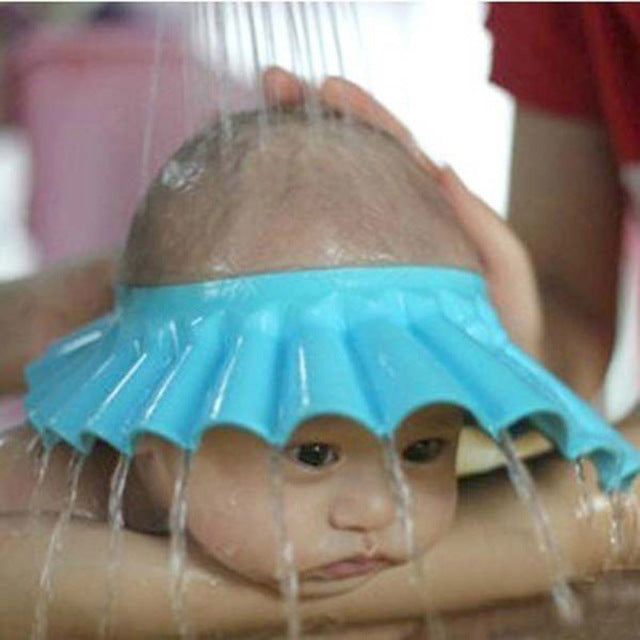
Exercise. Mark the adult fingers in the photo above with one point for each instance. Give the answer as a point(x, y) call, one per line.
point(344, 95)
point(282, 88)
point(349, 98)
point(505, 260)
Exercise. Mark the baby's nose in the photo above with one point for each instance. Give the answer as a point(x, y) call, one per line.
point(364, 502)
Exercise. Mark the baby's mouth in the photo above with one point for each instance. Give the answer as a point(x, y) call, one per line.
point(349, 568)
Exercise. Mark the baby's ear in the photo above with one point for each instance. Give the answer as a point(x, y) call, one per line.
point(506, 264)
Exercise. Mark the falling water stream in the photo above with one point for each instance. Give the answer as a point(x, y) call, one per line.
point(178, 547)
point(623, 529)
point(287, 574)
point(255, 58)
point(222, 52)
point(402, 494)
point(585, 499)
point(39, 629)
point(616, 530)
point(633, 508)
point(565, 600)
point(116, 522)
point(42, 467)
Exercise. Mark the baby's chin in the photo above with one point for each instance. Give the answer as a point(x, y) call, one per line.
point(333, 580)
point(320, 585)
point(322, 588)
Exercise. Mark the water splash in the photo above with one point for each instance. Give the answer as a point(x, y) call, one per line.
point(42, 468)
point(116, 522)
point(433, 623)
point(39, 629)
point(585, 503)
point(633, 507)
point(623, 529)
point(616, 529)
point(565, 600)
point(287, 574)
point(184, 173)
point(178, 546)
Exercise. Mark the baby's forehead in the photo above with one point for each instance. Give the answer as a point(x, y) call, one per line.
point(434, 418)
point(299, 195)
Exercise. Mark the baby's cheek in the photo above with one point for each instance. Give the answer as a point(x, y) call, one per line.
point(237, 532)
point(434, 513)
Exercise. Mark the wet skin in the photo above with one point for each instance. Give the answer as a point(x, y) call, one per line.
point(337, 491)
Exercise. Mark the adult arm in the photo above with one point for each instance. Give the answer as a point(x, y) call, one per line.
point(491, 555)
point(566, 207)
point(36, 310)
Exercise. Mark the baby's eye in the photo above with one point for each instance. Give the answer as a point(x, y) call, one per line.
point(314, 454)
point(423, 451)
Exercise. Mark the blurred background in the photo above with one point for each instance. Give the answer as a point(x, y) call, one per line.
point(427, 62)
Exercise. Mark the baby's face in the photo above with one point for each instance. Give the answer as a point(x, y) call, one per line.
point(342, 516)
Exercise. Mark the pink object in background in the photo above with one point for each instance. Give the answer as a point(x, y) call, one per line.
point(83, 96)
point(12, 413)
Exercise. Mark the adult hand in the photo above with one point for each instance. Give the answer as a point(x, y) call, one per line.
point(35, 311)
point(506, 264)
point(282, 88)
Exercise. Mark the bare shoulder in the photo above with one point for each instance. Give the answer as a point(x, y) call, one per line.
point(29, 477)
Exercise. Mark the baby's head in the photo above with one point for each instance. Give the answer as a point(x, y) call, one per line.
point(301, 193)
point(340, 501)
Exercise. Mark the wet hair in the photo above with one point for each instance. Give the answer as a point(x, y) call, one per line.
point(301, 191)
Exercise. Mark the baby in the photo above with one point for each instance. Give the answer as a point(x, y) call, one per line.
point(301, 193)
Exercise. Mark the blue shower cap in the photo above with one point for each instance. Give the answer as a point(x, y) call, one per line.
point(265, 352)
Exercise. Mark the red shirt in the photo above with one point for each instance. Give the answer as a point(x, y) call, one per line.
point(575, 59)
point(581, 60)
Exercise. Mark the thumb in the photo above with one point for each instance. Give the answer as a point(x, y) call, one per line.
point(506, 263)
